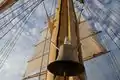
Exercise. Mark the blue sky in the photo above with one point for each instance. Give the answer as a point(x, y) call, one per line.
point(103, 16)
point(100, 68)
point(14, 67)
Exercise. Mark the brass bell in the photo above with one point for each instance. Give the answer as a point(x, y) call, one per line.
point(67, 63)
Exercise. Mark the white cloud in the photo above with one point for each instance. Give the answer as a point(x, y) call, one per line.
point(14, 67)
point(16, 63)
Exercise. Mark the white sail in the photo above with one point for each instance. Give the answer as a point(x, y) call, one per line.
point(38, 63)
point(89, 47)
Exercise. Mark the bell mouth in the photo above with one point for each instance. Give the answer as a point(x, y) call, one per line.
point(66, 68)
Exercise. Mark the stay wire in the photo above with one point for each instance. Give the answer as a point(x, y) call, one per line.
point(111, 11)
point(3, 49)
point(53, 3)
point(107, 32)
point(5, 46)
point(53, 8)
point(112, 24)
point(109, 36)
point(9, 49)
point(15, 9)
point(8, 52)
point(79, 17)
point(34, 8)
point(16, 38)
point(5, 25)
point(46, 11)
point(9, 46)
point(13, 26)
point(41, 65)
point(111, 59)
point(113, 63)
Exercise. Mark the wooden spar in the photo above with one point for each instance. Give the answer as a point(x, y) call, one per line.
point(95, 56)
point(5, 4)
point(90, 35)
point(35, 75)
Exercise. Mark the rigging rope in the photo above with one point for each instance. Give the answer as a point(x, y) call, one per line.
point(109, 22)
point(5, 25)
point(106, 30)
point(41, 65)
point(14, 25)
point(112, 60)
point(47, 33)
point(115, 67)
point(110, 11)
point(113, 41)
point(48, 18)
point(15, 9)
point(7, 52)
point(53, 6)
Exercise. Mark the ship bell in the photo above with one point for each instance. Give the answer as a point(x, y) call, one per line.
point(67, 63)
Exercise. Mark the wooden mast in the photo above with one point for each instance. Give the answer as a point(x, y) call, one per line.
point(60, 15)
point(66, 26)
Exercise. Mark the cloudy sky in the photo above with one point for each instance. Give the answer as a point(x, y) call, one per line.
point(102, 68)
point(15, 65)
